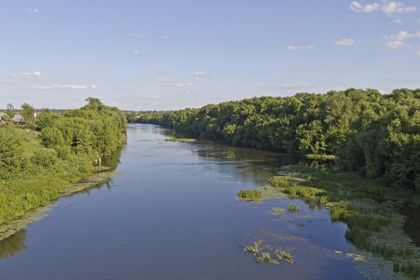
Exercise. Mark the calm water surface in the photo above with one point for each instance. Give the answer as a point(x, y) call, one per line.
point(171, 213)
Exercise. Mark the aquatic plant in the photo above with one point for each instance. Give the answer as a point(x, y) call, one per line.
point(267, 253)
point(277, 211)
point(283, 255)
point(250, 195)
point(368, 208)
point(181, 140)
point(264, 257)
point(293, 208)
point(254, 248)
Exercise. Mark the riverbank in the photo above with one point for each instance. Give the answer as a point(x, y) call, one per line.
point(98, 177)
point(370, 210)
point(53, 155)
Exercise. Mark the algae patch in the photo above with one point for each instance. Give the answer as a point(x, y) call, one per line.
point(250, 195)
point(181, 140)
point(277, 211)
point(269, 254)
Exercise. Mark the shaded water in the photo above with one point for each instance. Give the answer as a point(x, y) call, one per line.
point(173, 214)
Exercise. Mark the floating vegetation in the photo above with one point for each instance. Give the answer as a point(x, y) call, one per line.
point(254, 248)
point(293, 208)
point(369, 209)
point(283, 255)
point(266, 253)
point(182, 140)
point(321, 157)
point(277, 211)
point(250, 195)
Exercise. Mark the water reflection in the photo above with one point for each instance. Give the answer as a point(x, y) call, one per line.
point(13, 245)
point(247, 165)
point(412, 226)
point(175, 216)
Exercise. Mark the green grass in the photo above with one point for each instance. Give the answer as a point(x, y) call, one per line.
point(250, 195)
point(368, 208)
point(43, 180)
point(321, 157)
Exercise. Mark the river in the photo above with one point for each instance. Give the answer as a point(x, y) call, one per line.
point(171, 212)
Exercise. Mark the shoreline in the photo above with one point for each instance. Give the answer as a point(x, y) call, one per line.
point(98, 177)
point(379, 245)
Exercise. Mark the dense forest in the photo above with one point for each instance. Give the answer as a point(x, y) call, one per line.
point(363, 130)
point(46, 152)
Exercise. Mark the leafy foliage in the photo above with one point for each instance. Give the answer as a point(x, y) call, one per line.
point(373, 134)
point(37, 165)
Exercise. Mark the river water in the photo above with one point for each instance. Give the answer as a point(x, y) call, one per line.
point(171, 212)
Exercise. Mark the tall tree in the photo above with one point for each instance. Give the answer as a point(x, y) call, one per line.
point(28, 113)
point(10, 111)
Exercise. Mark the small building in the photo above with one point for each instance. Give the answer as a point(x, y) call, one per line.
point(18, 119)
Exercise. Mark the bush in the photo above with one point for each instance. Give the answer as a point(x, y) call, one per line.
point(44, 158)
point(250, 195)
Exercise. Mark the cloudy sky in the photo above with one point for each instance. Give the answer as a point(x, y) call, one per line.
point(144, 54)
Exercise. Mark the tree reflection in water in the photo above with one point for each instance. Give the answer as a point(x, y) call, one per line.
point(13, 245)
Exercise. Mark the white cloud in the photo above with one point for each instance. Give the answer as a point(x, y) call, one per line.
point(346, 42)
point(392, 8)
point(299, 48)
point(167, 80)
point(151, 97)
point(418, 53)
point(368, 8)
point(389, 8)
point(397, 40)
point(31, 75)
point(182, 85)
point(198, 74)
point(174, 82)
point(394, 44)
point(33, 10)
point(164, 37)
point(138, 36)
point(64, 86)
point(136, 51)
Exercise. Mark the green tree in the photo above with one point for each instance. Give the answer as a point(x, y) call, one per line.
point(12, 158)
point(10, 111)
point(28, 113)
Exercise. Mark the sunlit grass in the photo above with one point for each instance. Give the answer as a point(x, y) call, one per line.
point(367, 207)
point(250, 195)
point(266, 253)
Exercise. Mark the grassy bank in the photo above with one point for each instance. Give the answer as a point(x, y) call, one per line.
point(370, 210)
point(33, 212)
point(54, 155)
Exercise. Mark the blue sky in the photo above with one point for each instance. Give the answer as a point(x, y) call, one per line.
point(173, 54)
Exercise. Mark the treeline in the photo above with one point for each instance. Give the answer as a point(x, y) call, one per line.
point(48, 151)
point(365, 131)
